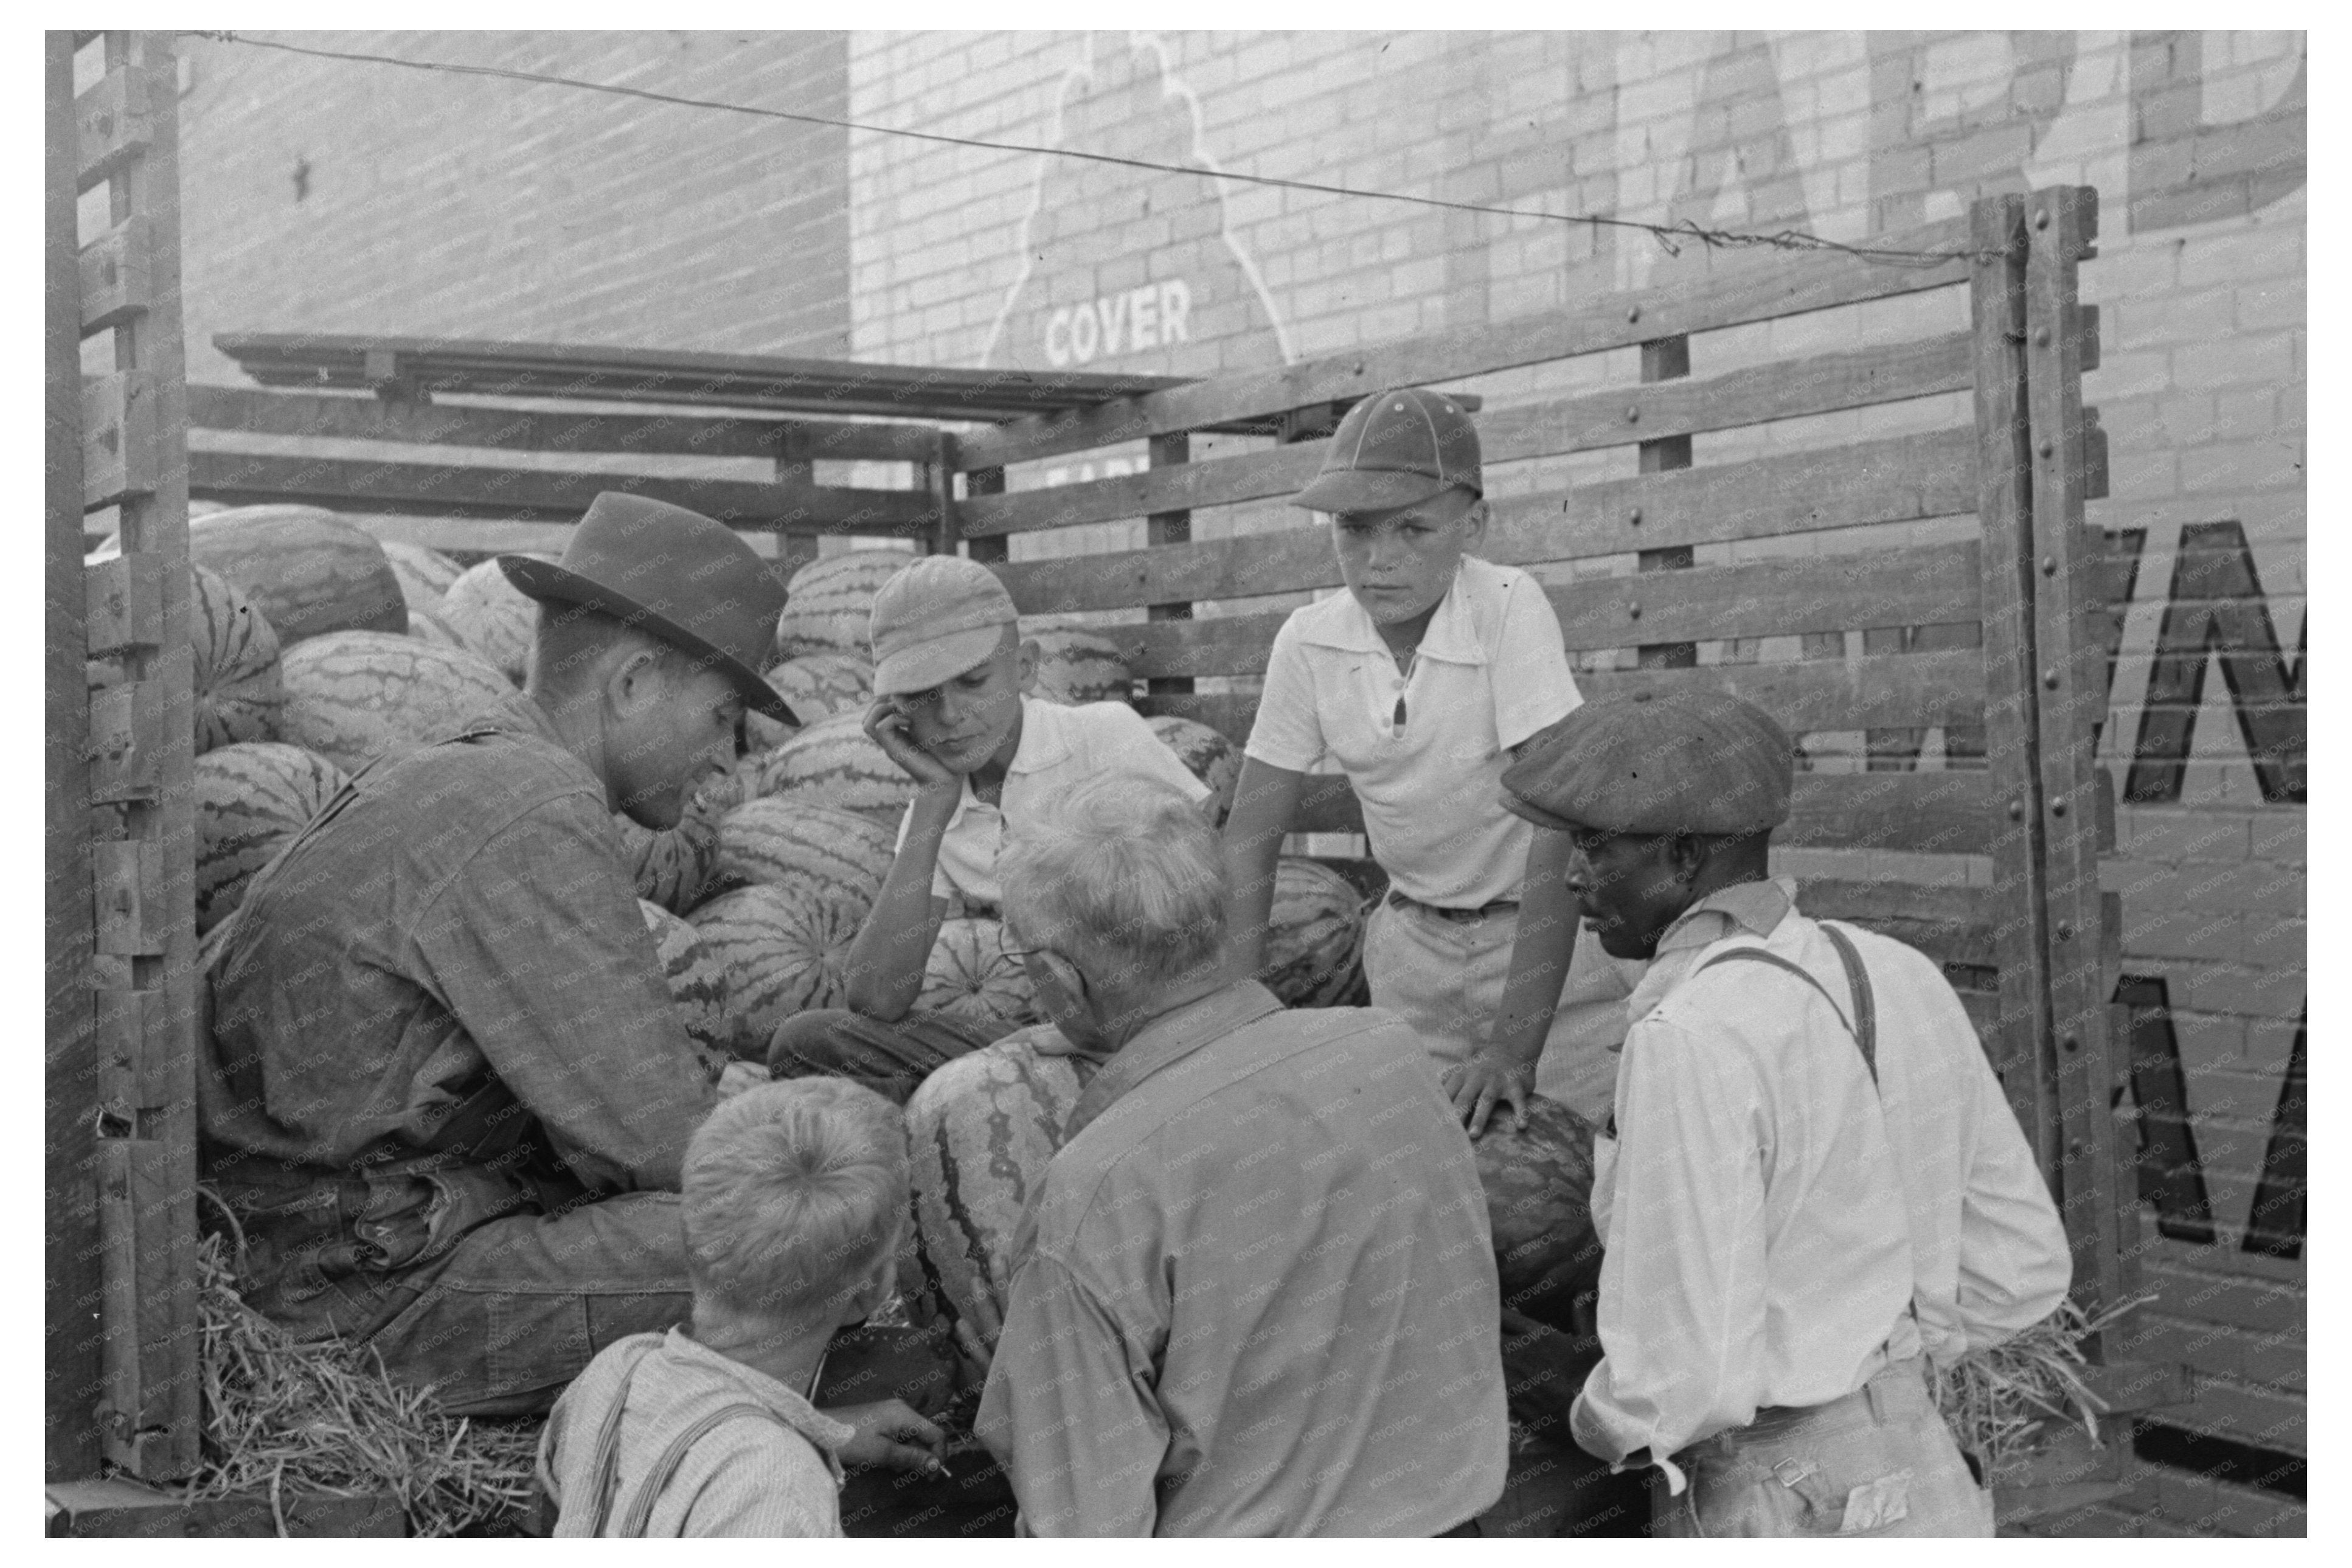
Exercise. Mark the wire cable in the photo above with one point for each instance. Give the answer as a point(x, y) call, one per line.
point(1669, 237)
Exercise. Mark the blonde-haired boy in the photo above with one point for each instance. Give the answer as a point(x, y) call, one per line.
point(794, 1194)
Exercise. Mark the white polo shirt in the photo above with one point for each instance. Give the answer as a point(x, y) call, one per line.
point(1490, 673)
point(1061, 748)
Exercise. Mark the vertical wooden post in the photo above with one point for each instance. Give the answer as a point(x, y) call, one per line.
point(2004, 513)
point(70, 1158)
point(1665, 359)
point(2069, 698)
point(941, 473)
point(1169, 527)
point(145, 881)
point(795, 467)
point(995, 547)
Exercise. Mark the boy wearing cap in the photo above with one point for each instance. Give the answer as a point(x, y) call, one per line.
point(951, 679)
point(1811, 1184)
point(1418, 682)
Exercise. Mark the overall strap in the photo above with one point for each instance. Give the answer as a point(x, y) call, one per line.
point(1862, 1027)
point(666, 1469)
point(603, 1466)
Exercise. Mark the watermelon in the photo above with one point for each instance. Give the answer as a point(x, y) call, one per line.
point(776, 952)
point(762, 733)
point(425, 626)
point(785, 843)
point(1315, 941)
point(1213, 760)
point(835, 762)
point(1075, 667)
point(672, 866)
point(829, 601)
point(306, 570)
point(817, 684)
point(424, 574)
point(198, 509)
point(979, 1131)
point(352, 697)
point(234, 678)
point(1538, 1184)
point(970, 976)
point(693, 983)
point(493, 617)
point(252, 796)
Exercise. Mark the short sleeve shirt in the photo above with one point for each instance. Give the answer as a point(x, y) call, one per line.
point(1491, 672)
point(1061, 748)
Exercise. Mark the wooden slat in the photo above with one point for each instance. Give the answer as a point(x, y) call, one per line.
point(527, 495)
point(128, 737)
point(125, 600)
point(113, 269)
point(72, 1326)
point(1921, 585)
point(1900, 479)
point(150, 1282)
point(1918, 813)
point(111, 1509)
point(125, 875)
point(119, 444)
point(1693, 294)
point(1225, 481)
point(2071, 672)
point(1949, 924)
point(111, 124)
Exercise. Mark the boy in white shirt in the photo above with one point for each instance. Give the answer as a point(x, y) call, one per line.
point(950, 673)
point(795, 1196)
point(1420, 681)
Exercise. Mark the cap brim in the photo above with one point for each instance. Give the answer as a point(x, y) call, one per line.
point(936, 662)
point(1367, 489)
point(543, 580)
point(1518, 806)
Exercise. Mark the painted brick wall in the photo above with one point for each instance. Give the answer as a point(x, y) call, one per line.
point(561, 215)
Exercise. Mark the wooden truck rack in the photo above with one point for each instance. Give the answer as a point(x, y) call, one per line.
point(1933, 581)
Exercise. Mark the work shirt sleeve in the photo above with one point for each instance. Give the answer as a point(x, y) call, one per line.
point(1534, 685)
point(1069, 1412)
point(1683, 1282)
point(1287, 732)
point(763, 1488)
point(2014, 1263)
point(537, 947)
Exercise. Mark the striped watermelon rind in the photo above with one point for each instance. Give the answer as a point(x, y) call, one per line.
point(352, 697)
point(776, 952)
point(252, 796)
point(1075, 666)
point(1315, 938)
point(817, 685)
point(785, 843)
point(234, 675)
point(1538, 1185)
point(693, 983)
point(309, 572)
point(970, 976)
point(835, 762)
point(424, 574)
point(979, 1132)
point(672, 866)
point(829, 602)
point(1205, 753)
point(492, 616)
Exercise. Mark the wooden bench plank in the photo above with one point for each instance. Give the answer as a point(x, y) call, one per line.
point(1924, 585)
point(118, 437)
point(113, 269)
point(111, 123)
point(1695, 293)
point(485, 536)
point(526, 495)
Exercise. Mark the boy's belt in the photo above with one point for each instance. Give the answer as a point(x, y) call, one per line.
point(1500, 906)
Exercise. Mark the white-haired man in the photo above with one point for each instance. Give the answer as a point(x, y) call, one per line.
point(1255, 1294)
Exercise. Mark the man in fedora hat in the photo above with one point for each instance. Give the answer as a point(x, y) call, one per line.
point(446, 1093)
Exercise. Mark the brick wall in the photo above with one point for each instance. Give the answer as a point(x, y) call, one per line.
point(561, 215)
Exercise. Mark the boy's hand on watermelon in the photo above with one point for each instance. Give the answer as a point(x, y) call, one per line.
point(889, 1432)
point(886, 723)
point(974, 1342)
point(1489, 1080)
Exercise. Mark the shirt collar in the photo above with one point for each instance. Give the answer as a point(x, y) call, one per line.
point(1043, 742)
point(792, 1408)
point(1756, 908)
point(1167, 1040)
point(1343, 623)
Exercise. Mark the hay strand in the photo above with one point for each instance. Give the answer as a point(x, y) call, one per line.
point(2002, 1403)
point(286, 1418)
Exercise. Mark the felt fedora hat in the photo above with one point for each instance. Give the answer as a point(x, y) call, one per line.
point(672, 573)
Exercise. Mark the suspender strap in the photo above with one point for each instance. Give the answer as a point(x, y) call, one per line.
point(666, 1469)
point(1863, 1026)
point(604, 1464)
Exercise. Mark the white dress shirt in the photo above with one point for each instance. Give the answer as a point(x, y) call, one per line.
point(1777, 1227)
point(1490, 672)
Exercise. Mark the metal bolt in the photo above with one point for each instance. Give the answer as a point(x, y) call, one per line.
point(2041, 337)
point(1634, 610)
point(2049, 566)
point(1634, 517)
point(2058, 809)
point(1634, 313)
point(2050, 678)
point(1633, 414)
point(2041, 218)
point(2065, 930)
point(2017, 811)
point(2048, 447)
point(2072, 1043)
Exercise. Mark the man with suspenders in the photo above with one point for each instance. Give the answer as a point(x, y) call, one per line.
point(1810, 1185)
